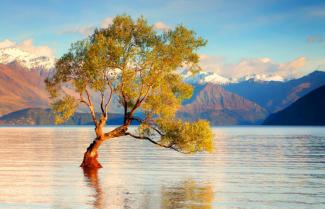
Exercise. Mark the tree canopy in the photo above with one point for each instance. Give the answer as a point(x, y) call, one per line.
point(139, 65)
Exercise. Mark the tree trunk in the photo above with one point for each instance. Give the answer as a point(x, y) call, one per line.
point(91, 155)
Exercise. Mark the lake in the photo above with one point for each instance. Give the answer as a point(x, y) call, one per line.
point(251, 167)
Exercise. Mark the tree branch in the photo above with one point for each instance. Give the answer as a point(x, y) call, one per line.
point(119, 131)
point(151, 125)
point(138, 103)
point(154, 142)
point(110, 97)
point(102, 104)
point(83, 100)
point(88, 97)
point(125, 105)
point(91, 108)
point(146, 94)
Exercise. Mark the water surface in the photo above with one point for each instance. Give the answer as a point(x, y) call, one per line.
point(252, 167)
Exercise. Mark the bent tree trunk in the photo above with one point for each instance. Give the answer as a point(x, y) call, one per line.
point(90, 157)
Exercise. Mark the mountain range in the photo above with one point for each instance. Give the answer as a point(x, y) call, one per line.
point(221, 107)
point(26, 59)
point(246, 101)
point(20, 88)
point(276, 95)
point(308, 110)
point(222, 101)
point(41, 116)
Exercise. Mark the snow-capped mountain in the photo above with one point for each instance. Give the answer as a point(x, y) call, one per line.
point(25, 59)
point(33, 61)
point(204, 77)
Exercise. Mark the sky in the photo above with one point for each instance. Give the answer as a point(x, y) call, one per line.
point(284, 37)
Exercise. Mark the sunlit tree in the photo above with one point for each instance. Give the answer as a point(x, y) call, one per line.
point(138, 65)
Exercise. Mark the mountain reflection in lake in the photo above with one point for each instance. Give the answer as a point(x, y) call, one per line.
point(252, 167)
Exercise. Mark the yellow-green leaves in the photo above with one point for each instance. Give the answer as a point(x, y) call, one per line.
point(161, 103)
point(186, 136)
point(64, 109)
point(52, 88)
point(145, 64)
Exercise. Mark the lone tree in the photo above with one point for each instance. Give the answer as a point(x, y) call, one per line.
point(131, 61)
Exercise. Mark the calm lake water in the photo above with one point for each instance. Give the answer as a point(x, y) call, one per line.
point(252, 167)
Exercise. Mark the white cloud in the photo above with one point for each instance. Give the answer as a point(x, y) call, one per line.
point(212, 63)
point(316, 64)
point(161, 26)
point(88, 29)
point(28, 46)
point(107, 22)
point(318, 11)
point(293, 69)
point(83, 30)
point(315, 39)
point(251, 66)
point(6, 43)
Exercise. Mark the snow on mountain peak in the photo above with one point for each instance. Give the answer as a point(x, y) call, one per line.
point(203, 77)
point(26, 54)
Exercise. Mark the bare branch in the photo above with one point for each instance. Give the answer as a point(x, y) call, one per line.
point(146, 94)
point(91, 108)
point(119, 131)
point(139, 102)
point(125, 105)
point(82, 100)
point(102, 104)
point(88, 97)
point(110, 96)
point(154, 142)
point(142, 85)
point(151, 125)
point(124, 99)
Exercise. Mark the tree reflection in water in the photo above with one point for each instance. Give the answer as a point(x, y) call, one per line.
point(187, 194)
point(94, 182)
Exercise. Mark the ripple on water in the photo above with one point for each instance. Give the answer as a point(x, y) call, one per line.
point(252, 167)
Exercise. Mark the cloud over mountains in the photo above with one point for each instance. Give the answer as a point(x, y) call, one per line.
point(253, 66)
point(28, 46)
point(263, 66)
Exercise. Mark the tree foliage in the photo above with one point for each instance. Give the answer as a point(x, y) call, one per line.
point(139, 65)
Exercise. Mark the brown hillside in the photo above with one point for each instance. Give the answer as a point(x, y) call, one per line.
point(21, 88)
point(221, 107)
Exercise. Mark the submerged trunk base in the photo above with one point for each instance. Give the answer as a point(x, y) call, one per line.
point(90, 162)
point(91, 155)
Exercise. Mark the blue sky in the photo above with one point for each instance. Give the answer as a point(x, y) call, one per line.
point(237, 31)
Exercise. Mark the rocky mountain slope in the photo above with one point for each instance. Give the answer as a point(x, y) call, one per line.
point(276, 95)
point(222, 101)
point(221, 107)
point(26, 59)
point(20, 88)
point(308, 110)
